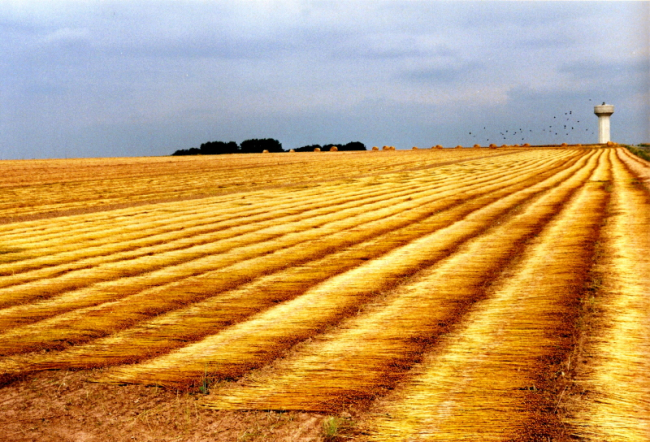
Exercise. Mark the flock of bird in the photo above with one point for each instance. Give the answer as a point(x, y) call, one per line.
point(558, 130)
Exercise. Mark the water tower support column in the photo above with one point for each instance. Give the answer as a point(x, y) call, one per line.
point(604, 111)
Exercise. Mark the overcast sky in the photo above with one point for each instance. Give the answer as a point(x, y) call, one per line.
point(131, 78)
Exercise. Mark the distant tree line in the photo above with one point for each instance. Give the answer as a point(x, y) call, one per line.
point(219, 147)
point(353, 145)
point(258, 146)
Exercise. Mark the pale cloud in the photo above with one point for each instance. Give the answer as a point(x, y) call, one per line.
point(65, 35)
point(150, 77)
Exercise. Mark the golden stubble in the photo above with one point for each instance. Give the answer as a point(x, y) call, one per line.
point(614, 374)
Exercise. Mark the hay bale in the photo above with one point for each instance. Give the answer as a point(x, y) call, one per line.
point(375, 148)
point(610, 144)
point(334, 149)
point(493, 146)
point(563, 144)
point(265, 151)
point(476, 146)
point(385, 148)
point(459, 147)
point(526, 145)
point(439, 146)
point(415, 148)
point(317, 149)
point(292, 151)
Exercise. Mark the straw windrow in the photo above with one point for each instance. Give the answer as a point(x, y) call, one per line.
point(56, 279)
point(87, 323)
point(174, 329)
point(371, 351)
point(155, 179)
point(131, 276)
point(433, 294)
point(487, 379)
point(255, 342)
point(54, 245)
point(613, 397)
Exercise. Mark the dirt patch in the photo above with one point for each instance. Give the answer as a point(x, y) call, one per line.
point(64, 406)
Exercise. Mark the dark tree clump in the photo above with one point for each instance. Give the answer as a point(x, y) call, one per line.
point(219, 147)
point(309, 148)
point(260, 145)
point(257, 145)
point(353, 145)
point(190, 151)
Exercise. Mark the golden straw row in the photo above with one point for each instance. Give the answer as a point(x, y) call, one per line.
point(77, 278)
point(173, 329)
point(176, 234)
point(99, 221)
point(372, 351)
point(301, 182)
point(120, 218)
point(612, 400)
point(53, 231)
point(257, 341)
point(27, 199)
point(3, 227)
point(38, 333)
point(127, 228)
point(491, 378)
point(196, 248)
point(639, 167)
point(34, 172)
point(246, 204)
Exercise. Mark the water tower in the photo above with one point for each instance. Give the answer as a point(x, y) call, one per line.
point(604, 111)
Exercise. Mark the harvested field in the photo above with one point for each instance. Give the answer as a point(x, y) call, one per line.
point(429, 294)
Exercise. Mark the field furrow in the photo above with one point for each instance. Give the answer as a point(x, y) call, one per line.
point(257, 341)
point(175, 329)
point(372, 351)
point(612, 400)
point(93, 322)
point(491, 378)
point(52, 241)
point(86, 190)
point(639, 167)
point(219, 249)
point(430, 294)
point(86, 265)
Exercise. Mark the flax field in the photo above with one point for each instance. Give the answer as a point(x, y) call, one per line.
point(433, 294)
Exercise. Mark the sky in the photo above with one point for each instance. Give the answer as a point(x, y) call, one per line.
point(145, 78)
